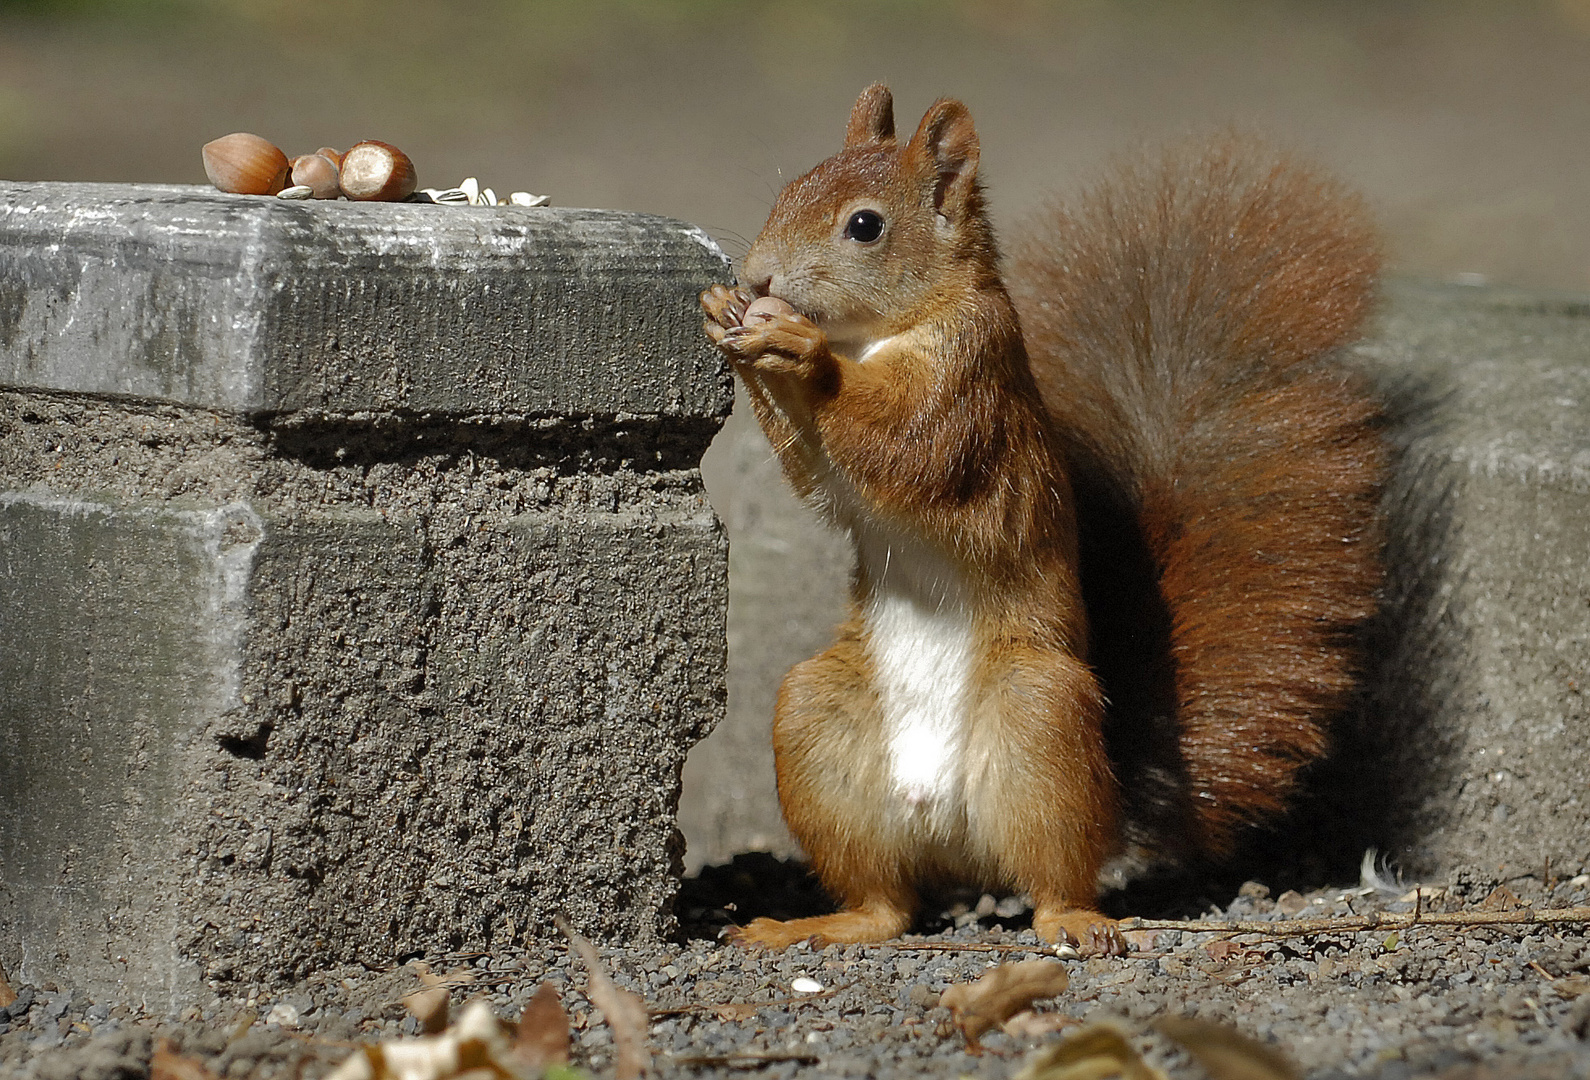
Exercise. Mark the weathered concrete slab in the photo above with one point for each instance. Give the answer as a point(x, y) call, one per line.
point(404, 663)
point(1479, 739)
point(90, 780)
point(1472, 754)
point(255, 304)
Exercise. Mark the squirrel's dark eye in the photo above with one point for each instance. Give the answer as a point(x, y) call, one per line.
point(864, 226)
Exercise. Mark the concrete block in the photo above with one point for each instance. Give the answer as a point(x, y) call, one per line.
point(263, 305)
point(1470, 755)
point(91, 748)
point(398, 664)
point(1476, 736)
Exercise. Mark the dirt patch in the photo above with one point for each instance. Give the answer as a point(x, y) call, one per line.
point(1432, 1001)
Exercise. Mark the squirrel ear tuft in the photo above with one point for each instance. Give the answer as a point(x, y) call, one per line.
point(945, 144)
point(872, 118)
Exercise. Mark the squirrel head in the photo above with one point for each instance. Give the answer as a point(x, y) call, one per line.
point(867, 242)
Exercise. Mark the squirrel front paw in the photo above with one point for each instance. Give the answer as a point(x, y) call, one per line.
point(725, 308)
point(782, 343)
point(764, 333)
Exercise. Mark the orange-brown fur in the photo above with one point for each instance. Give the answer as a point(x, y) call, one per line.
point(939, 448)
point(1181, 324)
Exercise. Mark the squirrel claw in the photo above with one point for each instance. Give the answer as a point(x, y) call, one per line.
point(1090, 932)
point(1102, 939)
point(725, 306)
point(733, 340)
point(783, 343)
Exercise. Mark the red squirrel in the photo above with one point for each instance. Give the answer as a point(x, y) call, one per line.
point(1114, 528)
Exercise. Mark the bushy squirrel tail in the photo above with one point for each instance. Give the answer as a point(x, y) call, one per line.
point(1181, 319)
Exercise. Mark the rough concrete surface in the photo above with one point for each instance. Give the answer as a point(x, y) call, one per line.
point(1470, 755)
point(251, 304)
point(284, 689)
point(1482, 658)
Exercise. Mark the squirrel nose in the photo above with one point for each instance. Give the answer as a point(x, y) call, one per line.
point(758, 272)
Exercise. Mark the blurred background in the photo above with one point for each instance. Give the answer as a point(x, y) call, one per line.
point(1465, 122)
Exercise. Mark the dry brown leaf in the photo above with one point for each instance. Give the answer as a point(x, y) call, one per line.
point(625, 1012)
point(7, 995)
point(1097, 1052)
point(1501, 898)
point(429, 1008)
point(1230, 959)
point(1142, 940)
point(1422, 894)
point(1571, 986)
point(1036, 1025)
point(735, 1011)
point(999, 995)
point(459, 976)
point(542, 1037)
point(1230, 974)
point(1226, 1053)
point(167, 1064)
point(478, 1044)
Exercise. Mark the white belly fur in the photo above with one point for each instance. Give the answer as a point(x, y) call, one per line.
point(919, 639)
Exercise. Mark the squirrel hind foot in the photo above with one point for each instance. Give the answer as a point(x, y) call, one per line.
point(857, 927)
point(1093, 934)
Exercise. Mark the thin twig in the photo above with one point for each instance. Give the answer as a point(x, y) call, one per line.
point(970, 946)
point(698, 1008)
point(1040, 950)
point(316, 1042)
point(729, 1060)
point(1371, 921)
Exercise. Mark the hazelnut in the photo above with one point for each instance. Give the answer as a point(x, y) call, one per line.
point(317, 172)
point(245, 164)
point(766, 307)
point(376, 171)
point(331, 155)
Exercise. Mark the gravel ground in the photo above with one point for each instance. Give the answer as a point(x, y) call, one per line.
point(1445, 1002)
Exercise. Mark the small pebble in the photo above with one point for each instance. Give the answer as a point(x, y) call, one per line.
point(804, 985)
